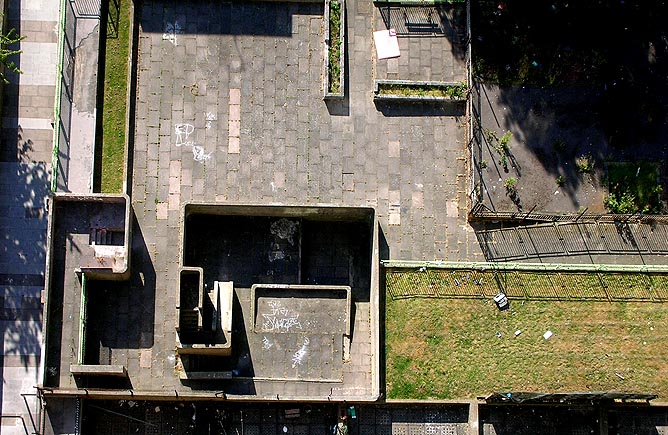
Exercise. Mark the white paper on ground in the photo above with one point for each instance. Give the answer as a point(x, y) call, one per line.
point(387, 44)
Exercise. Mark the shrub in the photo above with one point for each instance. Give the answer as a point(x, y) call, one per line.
point(584, 163)
point(510, 184)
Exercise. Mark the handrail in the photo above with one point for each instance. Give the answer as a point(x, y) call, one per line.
point(478, 212)
point(528, 267)
point(32, 420)
point(58, 98)
point(25, 428)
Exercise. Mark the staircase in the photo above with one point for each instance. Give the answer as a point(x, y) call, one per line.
point(101, 236)
point(188, 320)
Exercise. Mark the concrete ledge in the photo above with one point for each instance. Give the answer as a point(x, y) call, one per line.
point(110, 262)
point(225, 304)
point(223, 349)
point(98, 370)
point(205, 376)
point(222, 298)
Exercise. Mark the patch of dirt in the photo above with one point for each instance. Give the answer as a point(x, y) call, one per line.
point(553, 132)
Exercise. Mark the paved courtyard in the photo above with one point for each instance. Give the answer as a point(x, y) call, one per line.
point(237, 115)
point(432, 42)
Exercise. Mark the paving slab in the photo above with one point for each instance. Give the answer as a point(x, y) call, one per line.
point(25, 156)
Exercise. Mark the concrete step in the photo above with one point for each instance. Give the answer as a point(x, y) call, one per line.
point(188, 320)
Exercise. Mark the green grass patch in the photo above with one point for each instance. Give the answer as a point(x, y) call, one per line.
point(450, 349)
point(115, 99)
point(633, 187)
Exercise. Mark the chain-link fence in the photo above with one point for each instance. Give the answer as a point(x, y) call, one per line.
point(522, 284)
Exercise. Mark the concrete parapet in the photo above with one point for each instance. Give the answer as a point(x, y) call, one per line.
point(98, 370)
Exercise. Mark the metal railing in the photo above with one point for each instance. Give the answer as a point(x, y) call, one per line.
point(573, 282)
point(33, 420)
point(480, 211)
point(113, 14)
point(469, 104)
point(71, 11)
point(20, 417)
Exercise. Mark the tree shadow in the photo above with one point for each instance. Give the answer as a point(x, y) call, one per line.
point(586, 92)
point(172, 18)
point(396, 109)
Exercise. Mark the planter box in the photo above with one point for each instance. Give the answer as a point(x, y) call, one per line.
point(330, 45)
point(382, 92)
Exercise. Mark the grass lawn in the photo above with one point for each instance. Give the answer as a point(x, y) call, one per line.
point(449, 349)
point(114, 110)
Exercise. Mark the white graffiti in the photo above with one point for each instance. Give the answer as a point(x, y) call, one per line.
point(199, 155)
point(276, 253)
point(171, 30)
point(183, 132)
point(284, 229)
point(298, 357)
point(266, 343)
point(210, 116)
point(276, 305)
point(280, 319)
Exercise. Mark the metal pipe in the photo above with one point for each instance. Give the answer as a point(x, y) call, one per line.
point(57, 100)
point(123, 415)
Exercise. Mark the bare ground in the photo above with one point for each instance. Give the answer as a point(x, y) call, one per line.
point(552, 128)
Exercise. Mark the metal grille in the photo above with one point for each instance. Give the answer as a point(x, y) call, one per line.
point(399, 428)
point(564, 239)
point(543, 285)
point(482, 212)
point(415, 428)
point(383, 417)
point(87, 8)
point(417, 20)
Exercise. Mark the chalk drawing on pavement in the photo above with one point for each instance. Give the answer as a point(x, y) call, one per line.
point(171, 30)
point(210, 116)
point(183, 133)
point(199, 155)
point(298, 357)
